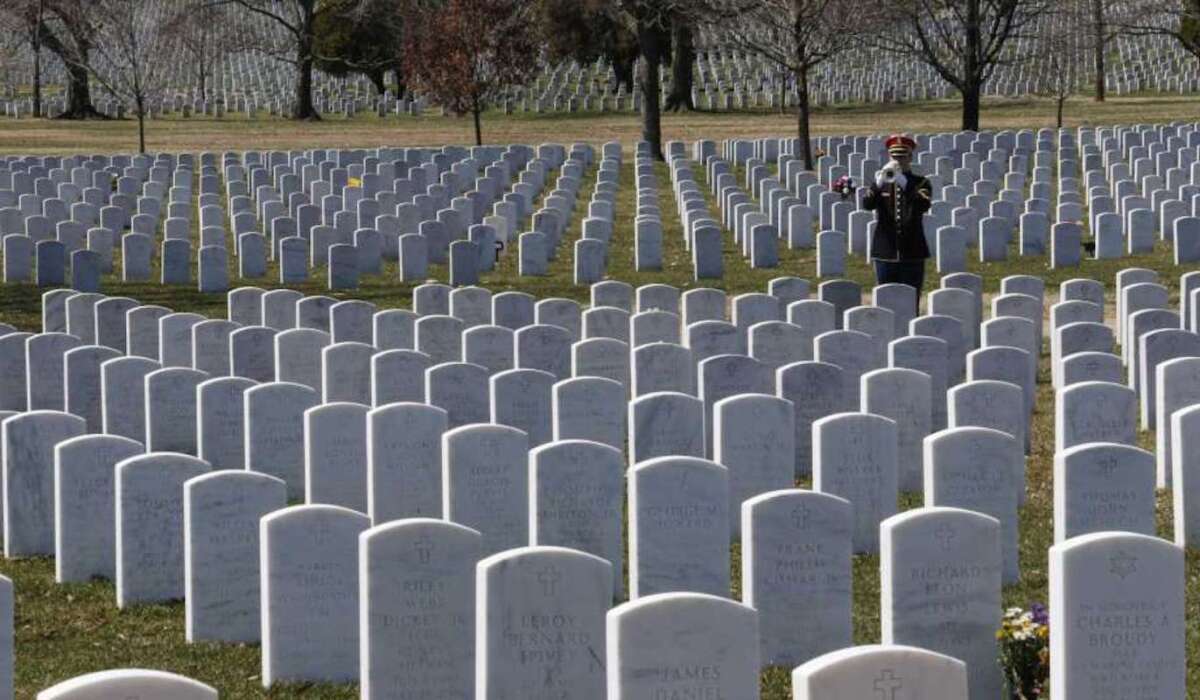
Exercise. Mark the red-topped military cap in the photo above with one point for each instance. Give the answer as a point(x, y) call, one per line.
point(900, 143)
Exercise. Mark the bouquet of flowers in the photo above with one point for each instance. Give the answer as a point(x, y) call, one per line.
point(844, 186)
point(1024, 641)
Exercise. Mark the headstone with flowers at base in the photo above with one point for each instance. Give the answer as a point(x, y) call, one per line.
point(940, 570)
point(1117, 625)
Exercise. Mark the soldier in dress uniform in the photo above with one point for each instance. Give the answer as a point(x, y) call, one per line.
point(899, 197)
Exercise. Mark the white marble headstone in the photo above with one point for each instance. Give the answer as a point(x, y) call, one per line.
point(485, 482)
point(310, 587)
point(149, 525)
point(408, 566)
point(940, 570)
point(681, 644)
point(540, 624)
point(854, 457)
point(29, 440)
point(404, 461)
point(1117, 624)
point(84, 506)
point(335, 455)
point(221, 553)
point(796, 572)
point(576, 488)
point(891, 672)
point(129, 684)
point(678, 527)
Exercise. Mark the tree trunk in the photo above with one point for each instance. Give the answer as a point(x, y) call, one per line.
point(970, 108)
point(475, 110)
point(37, 58)
point(682, 58)
point(803, 115)
point(303, 107)
point(141, 117)
point(972, 70)
point(1099, 45)
point(202, 62)
point(623, 70)
point(1061, 102)
point(37, 81)
point(650, 46)
point(79, 95)
point(377, 79)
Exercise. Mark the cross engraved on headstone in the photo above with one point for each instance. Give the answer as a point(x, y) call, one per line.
point(549, 578)
point(945, 535)
point(887, 684)
point(1123, 564)
point(322, 533)
point(424, 547)
point(800, 517)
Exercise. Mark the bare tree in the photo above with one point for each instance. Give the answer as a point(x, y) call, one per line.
point(651, 22)
point(1176, 19)
point(18, 36)
point(796, 35)
point(297, 19)
point(199, 32)
point(66, 28)
point(365, 37)
point(624, 31)
point(39, 14)
point(1103, 32)
point(683, 60)
point(132, 55)
point(964, 41)
point(1062, 54)
point(12, 52)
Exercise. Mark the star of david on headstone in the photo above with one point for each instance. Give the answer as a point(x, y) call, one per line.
point(1123, 564)
point(1108, 467)
point(887, 684)
point(549, 578)
point(945, 535)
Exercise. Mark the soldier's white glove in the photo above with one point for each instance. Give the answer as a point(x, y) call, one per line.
point(892, 167)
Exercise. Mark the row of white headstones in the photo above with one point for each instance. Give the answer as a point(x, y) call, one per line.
point(871, 442)
point(1165, 182)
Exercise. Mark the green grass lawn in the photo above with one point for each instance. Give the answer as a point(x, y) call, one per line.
point(239, 133)
point(67, 630)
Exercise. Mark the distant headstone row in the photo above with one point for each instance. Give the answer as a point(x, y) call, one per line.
point(344, 214)
point(248, 83)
